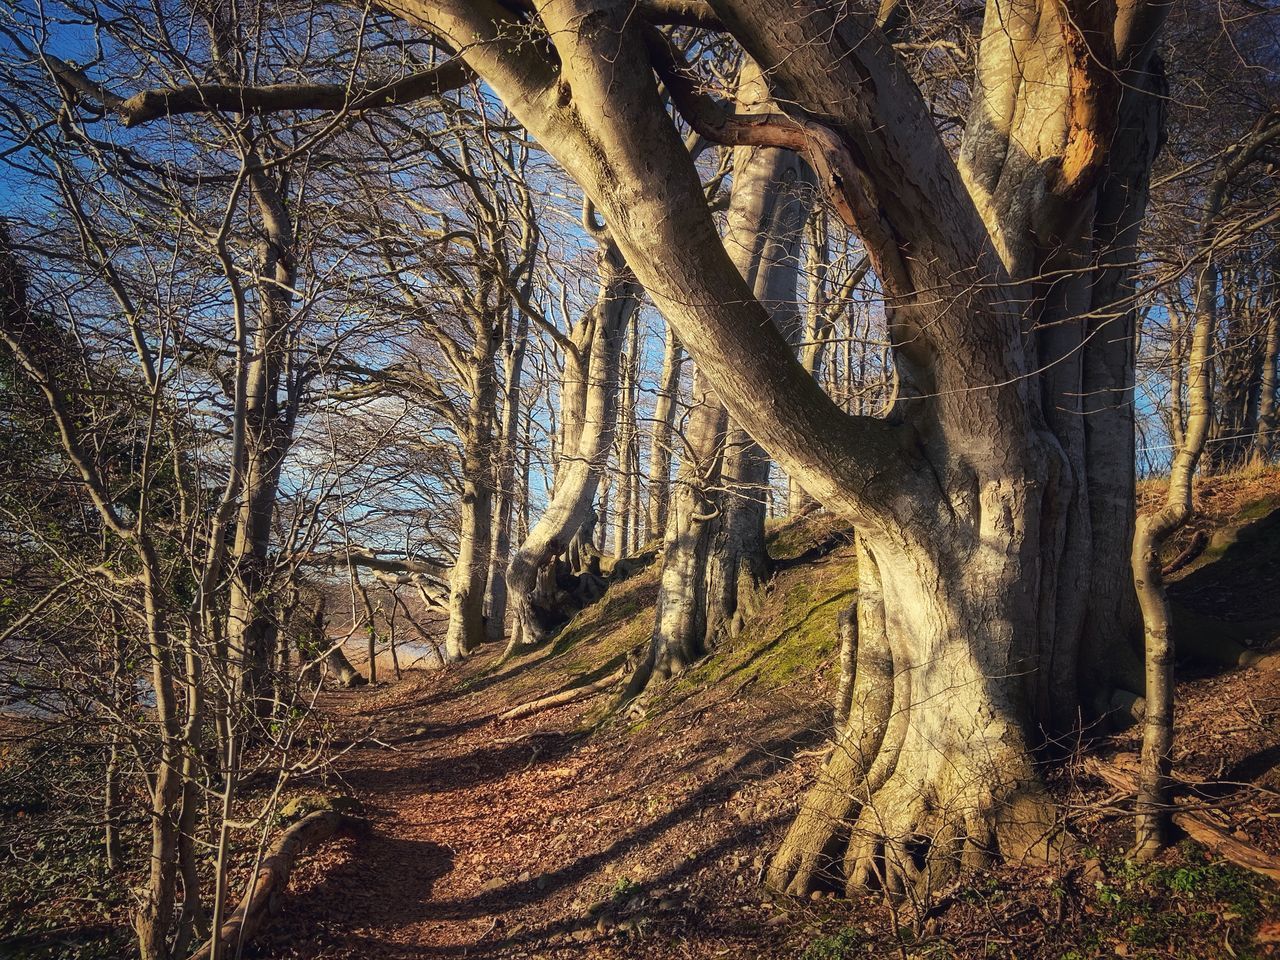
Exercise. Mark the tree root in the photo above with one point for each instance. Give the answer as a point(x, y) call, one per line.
point(909, 841)
point(262, 897)
point(1199, 541)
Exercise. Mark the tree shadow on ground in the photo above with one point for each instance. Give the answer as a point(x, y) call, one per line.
point(353, 897)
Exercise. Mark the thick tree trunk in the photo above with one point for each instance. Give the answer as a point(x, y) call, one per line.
point(588, 397)
point(1109, 649)
point(958, 492)
point(911, 793)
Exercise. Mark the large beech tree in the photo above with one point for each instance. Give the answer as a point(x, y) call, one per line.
point(989, 507)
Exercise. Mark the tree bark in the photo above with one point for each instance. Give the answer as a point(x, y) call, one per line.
point(268, 435)
point(962, 492)
point(660, 452)
point(513, 368)
point(588, 398)
point(628, 468)
point(714, 557)
point(1268, 423)
point(466, 629)
point(269, 881)
point(1154, 529)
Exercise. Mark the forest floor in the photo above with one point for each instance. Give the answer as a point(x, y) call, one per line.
point(581, 833)
point(578, 833)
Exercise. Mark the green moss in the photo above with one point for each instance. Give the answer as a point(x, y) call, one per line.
point(306, 804)
point(791, 635)
point(837, 946)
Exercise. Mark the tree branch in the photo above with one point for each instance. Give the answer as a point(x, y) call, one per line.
point(272, 98)
point(844, 184)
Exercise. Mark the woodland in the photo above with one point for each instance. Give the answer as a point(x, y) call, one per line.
point(639, 479)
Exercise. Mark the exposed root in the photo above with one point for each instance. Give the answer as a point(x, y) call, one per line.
point(1197, 826)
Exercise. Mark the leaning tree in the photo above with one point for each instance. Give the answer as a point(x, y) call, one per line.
point(997, 494)
point(994, 500)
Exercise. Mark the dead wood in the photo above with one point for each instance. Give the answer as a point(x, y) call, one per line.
point(565, 696)
point(1196, 825)
point(262, 898)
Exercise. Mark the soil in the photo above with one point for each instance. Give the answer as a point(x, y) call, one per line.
point(579, 833)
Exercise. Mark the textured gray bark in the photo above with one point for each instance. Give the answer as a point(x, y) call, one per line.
point(1154, 786)
point(714, 556)
point(660, 451)
point(250, 628)
point(495, 601)
point(588, 399)
point(949, 490)
point(628, 461)
point(466, 629)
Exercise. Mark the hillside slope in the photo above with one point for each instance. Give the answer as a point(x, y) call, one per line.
point(578, 833)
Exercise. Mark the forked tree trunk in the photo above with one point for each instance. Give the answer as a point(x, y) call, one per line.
point(1153, 530)
point(588, 398)
point(969, 504)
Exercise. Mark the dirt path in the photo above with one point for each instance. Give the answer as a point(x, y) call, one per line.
point(526, 839)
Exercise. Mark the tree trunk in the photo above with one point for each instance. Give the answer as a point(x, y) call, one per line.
point(714, 557)
point(664, 417)
point(1153, 530)
point(1157, 739)
point(589, 393)
point(495, 603)
point(679, 632)
point(626, 445)
point(154, 914)
point(1268, 423)
point(466, 629)
point(268, 435)
point(1109, 650)
point(1238, 374)
point(962, 492)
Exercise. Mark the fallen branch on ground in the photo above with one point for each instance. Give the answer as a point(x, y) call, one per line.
point(1197, 827)
point(565, 696)
point(272, 877)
